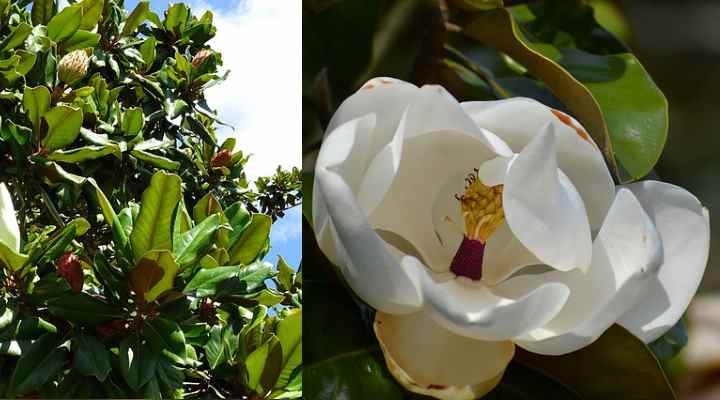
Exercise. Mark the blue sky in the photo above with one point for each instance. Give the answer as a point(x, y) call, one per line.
point(260, 41)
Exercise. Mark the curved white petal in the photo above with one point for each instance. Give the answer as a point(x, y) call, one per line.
point(472, 309)
point(428, 359)
point(429, 162)
point(343, 232)
point(517, 120)
point(505, 255)
point(543, 208)
point(9, 229)
point(626, 255)
point(685, 233)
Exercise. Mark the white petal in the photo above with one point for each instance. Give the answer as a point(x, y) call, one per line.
point(387, 98)
point(626, 255)
point(505, 255)
point(429, 162)
point(344, 234)
point(517, 120)
point(471, 309)
point(543, 208)
point(9, 229)
point(685, 233)
point(428, 359)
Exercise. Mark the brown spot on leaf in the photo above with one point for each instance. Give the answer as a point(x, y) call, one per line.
point(437, 387)
point(565, 119)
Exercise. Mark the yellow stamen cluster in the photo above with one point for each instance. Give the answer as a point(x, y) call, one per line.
point(481, 207)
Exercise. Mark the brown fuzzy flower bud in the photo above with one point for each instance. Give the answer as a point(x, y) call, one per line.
point(222, 158)
point(116, 327)
point(73, 66)
point(207, 311)
point(68, 266)
point(200, 57)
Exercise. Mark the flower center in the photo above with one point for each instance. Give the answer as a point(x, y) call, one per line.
point(481, 208)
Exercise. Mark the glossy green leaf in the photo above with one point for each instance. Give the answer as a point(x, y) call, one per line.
point(65, 23)
point(620, 364)
point(191, 245)
point(611, 94)
point(37, 365)
point(252, 241)
point(36, 102)
point(84, 153)
point(156, 160)
point(155, 274)
point(81, 40)
point(111, 218)
point(237, 280)
point(17, 37)
point(289, 332)
point(137, 361)
point(176, 17)
point(91, 358)
point(42, 11)
point(264, 365)
point(92, 13)
point(221, 346)
point(63, 126)
point(83, 308)
point(166, 337)
point(285, 274)
point(136, 18)
point(132, 121)
point(153, 228)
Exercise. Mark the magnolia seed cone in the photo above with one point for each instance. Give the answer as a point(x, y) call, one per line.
point(73, 66)
point(68, 266)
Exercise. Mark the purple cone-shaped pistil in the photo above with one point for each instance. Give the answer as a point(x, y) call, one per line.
point(468, 259)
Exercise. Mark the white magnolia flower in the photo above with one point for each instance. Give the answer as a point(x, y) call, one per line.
point(473, 227)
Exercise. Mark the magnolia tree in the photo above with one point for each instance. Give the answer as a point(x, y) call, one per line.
point(483, 213)
point(131, 242)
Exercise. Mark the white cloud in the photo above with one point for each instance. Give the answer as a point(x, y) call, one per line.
point(288, 228)
point(261, 44)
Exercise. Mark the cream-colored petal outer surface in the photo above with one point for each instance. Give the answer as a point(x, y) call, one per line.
point(342, 228)
point(9, 229)
point(626, 255)
point(543, 209)
point(516, 121)
point(471, 309)
point(684, 229)
point(428, 359)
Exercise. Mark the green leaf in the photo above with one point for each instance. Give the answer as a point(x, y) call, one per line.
point(81, 40)
point(63, 126)
point(153, 228)
point(37, 365)
point(138, 361)
point(239, 218)
point(84, 153)
point(17, 37)
point(36, 102)
point(176, 17)
point(243, 280)
point(620, 364)
point(91, 358)
point(156, 160)
point(252, 241)
point(154, 274)
point(264, 365)
point(42, 11)
point(166, 337)
point(148, 51)
point(65, 23)
point(192, 244)
point(132, 121)
point(92, 13)
point(285, 274)
point(221, 346)
point(289, 332)
point(136, 17)
point(6, 317)
point(84, 309)
point(111, 218)
point(611, 94)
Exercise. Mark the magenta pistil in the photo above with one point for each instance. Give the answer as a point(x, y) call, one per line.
point(468, 259)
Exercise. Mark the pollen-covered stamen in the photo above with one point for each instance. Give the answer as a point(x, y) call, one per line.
point(481, 208)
